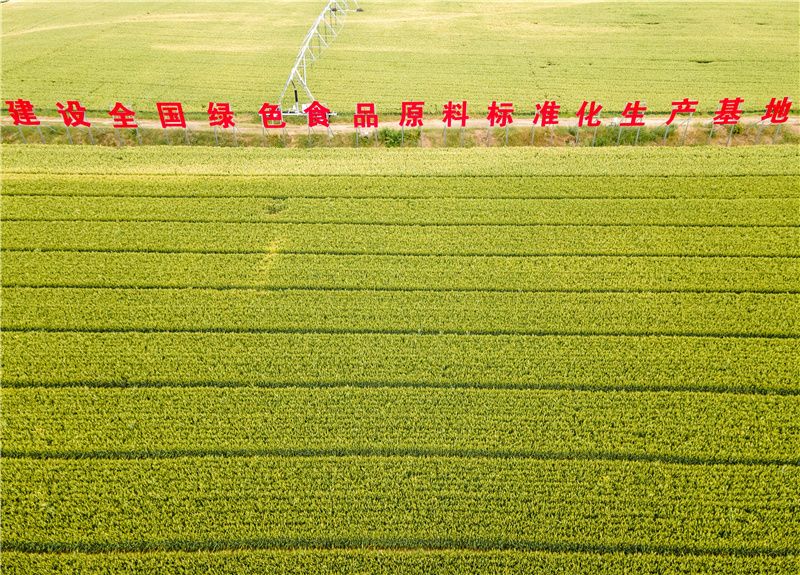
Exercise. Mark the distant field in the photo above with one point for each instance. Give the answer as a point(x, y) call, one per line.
point(525, 51)
point(499, 361)
point(142, 52)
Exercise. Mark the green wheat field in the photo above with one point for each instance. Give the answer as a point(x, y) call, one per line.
point(409, 361)
point(522, 51)
point(330, 361)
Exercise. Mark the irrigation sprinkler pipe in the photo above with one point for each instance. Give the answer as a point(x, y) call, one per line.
point(334, 7)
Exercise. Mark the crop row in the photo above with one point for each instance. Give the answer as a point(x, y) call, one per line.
point(166, 422)
point(388, 562)
point(276, 270)
point(386, 311)
point(573, 362)
point(376, 239)
point(723, 187)
point(428, 211)
point(398, 502)
point(654, 161)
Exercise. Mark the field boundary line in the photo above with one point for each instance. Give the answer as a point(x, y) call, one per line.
point(403, 224)
point(419, 332)
point(392, 453)
point(115, 175)
point(119, 174)
point(379, 197)
point(288, 543)
point(378, 289)
point(352, 253)
point(347, 253)
point(231, 384)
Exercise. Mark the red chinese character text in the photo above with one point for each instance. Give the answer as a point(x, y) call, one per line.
point(587, 114)
point(365, 116)
point(685, 106)
point(411, 114)
point(777, 111)
point(730, 111)
point(123, 117)
point(633, 114)
point(21, 111)
point(220, 114)
point(271, 116)
point(547, 113)
point(317, 115)
point(73, 113)
point(455, 112)
point(501, 114)
point(171, 114)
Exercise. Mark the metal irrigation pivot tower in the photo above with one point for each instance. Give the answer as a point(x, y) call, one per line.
point(324, 30)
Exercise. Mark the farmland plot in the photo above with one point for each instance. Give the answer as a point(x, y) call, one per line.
point(522, 51)
point(434, 361)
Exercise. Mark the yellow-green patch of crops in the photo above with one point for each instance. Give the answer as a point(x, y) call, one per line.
point(399, 502)
point(370, 239)
point(409, 562)
point(341, 361)
point(667, 426)
point(368, 360)
point(624, 161)
point(272, 269)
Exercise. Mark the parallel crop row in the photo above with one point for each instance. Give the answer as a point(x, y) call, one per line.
point(406, 561)
point(429, 211)
point(573, 362)
point(377, 239)
point(417, 186)
point(701, 428)
point(626, 161)
point(276, 270)
point(384, 311)
point(398, 502)
point(411, 387)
